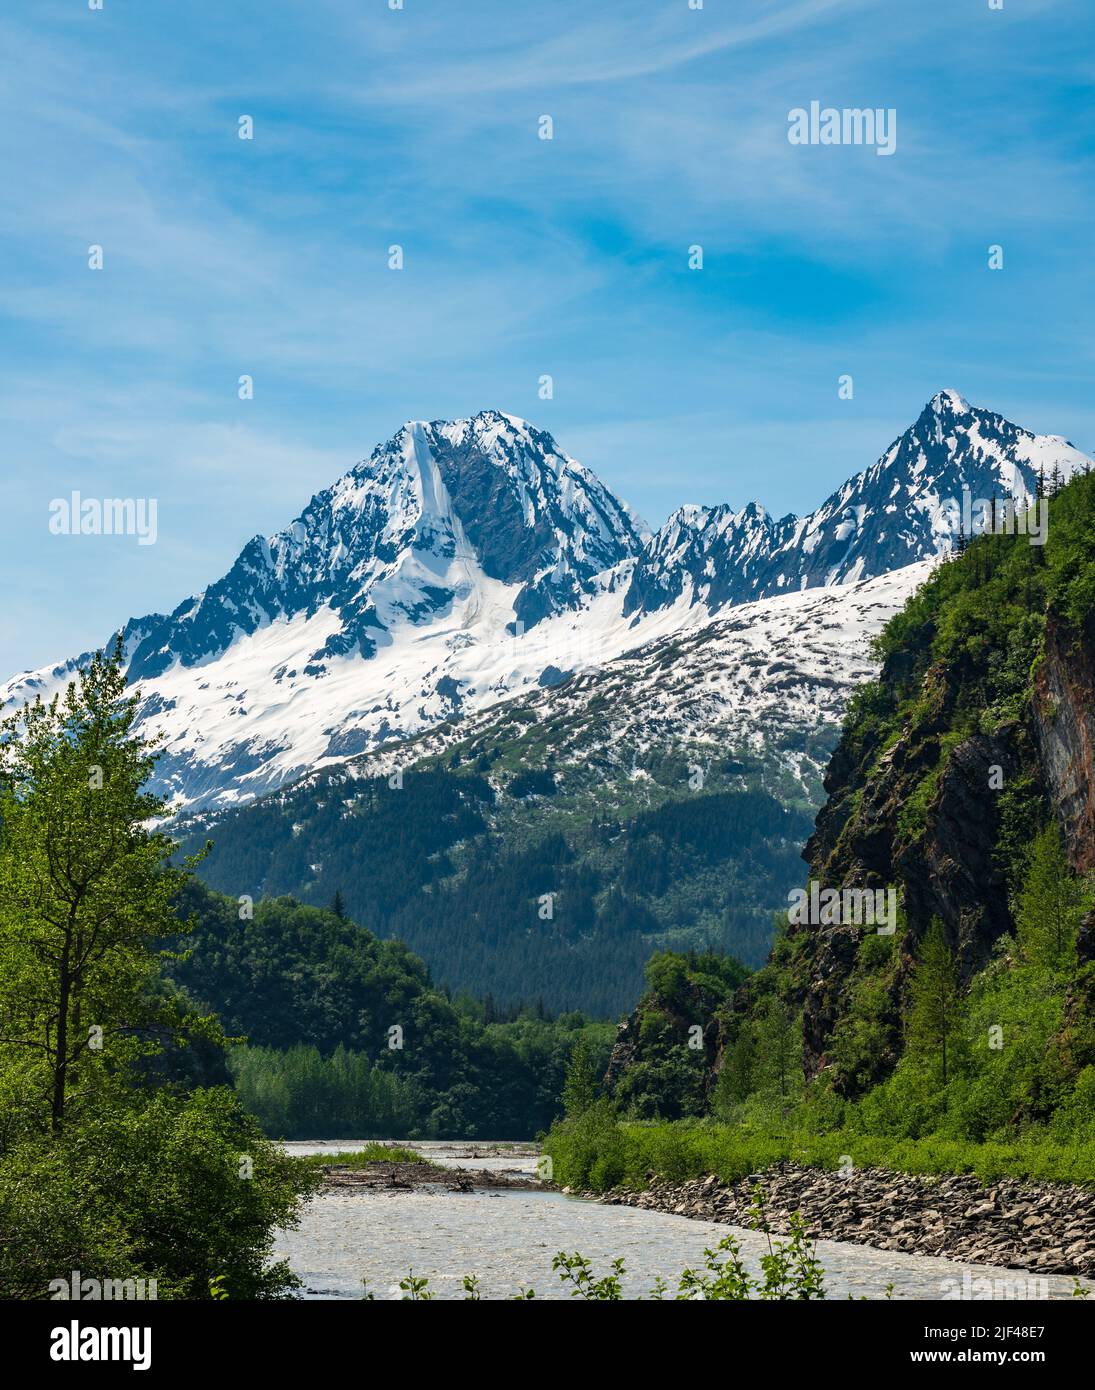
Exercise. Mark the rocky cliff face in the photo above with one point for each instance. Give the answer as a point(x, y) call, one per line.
point(926, 815)
point(978, 733)
point(947, 868)
point(1064, 727)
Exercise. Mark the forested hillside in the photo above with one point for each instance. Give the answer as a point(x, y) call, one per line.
point(964, 780)
point(347, 1036)
point(524, 875)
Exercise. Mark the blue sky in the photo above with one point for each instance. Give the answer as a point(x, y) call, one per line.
point(524, 257)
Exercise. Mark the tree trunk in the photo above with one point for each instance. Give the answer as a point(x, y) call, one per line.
point(60, 1066)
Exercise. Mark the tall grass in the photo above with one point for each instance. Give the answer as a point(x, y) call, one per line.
point(598, 1152)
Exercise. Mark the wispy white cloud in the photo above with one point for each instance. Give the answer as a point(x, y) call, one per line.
point(523, 257)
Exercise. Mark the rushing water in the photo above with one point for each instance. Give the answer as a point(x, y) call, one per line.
point(508, 1239)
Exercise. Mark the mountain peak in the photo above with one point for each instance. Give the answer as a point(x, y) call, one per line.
point(465, 558)
point(895, 513)
point(488, 418)
point(948, 402)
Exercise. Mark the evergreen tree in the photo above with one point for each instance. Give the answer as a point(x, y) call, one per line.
point(778, 1046)
point(338, 907)
point(935, 1005)
point(736, 1076)
point(1050, 904)
point(580, 1087)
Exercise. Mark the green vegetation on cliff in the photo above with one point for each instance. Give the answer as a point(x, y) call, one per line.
point(965, 1039)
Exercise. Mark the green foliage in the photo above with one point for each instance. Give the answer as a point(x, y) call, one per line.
point(790, 1270)
point(737, 1078)
point(935, 1004)
point(914, 812)
point(992, 1072)
point(580, 1087)
point(108, 1164)
point(779, 1049)
point(85, 892)
point(1070, 555)
point(599, 1152)
point(1021, 814)
point(298, 1093)
point(862, 1037)
point(1050, 905)
point(456, 872)
point(971, 636)
point(1074, 1118)
point(667, 1072)
point(315, 995)
point(154, 1190)
point(367, 1154)
point(577, 1271)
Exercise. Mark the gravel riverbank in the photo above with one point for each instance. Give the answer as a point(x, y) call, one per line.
point(1044, 1227)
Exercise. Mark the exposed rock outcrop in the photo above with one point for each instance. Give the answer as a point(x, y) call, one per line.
point(1064, 726)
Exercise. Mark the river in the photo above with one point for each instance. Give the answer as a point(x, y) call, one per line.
point(508, 1239)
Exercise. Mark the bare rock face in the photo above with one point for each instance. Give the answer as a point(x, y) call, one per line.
point(824, 1003)
point(1064, 726)
point(951, 872)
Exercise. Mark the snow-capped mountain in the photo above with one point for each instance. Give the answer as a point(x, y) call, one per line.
point(770, 676)
point(466, 562)
point(661, 798)
point(442, 517)
point(906, 507)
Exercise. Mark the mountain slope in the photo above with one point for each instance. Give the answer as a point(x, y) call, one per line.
point(964, 780)
point(466, 562)
point(411, 587)
point(660, 800)
point(906, 507)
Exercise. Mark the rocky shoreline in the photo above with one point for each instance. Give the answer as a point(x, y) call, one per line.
point(1047, 1228)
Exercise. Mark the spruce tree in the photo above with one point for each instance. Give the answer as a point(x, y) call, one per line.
point(935, 1011)
point(736, 1076)
point(778, 1046)
point(1050, 904)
